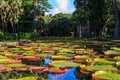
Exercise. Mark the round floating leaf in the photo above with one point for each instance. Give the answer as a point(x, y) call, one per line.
point(101, 75)
point(15, 65)
point(101, 67)
point(103, 61)
point(61, 57)
point(63, 64)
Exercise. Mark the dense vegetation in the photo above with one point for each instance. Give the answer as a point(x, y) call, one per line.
point(91, 18)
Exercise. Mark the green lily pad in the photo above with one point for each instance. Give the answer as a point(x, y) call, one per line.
point(48, 52)
point(108, 76)
point(3, 57)
point(101, 67)
point(17, 50)
point(112, 52)
point(44, 55)
point(61, 57)
point(10, 54)
point(2, 61)
point(28, 53)
point(82, 57)
point(63, 64)
point(29, 78)
point(16, 65)
point(81, 51)
point(65, 50)
point(117, 58)
point(103, 61)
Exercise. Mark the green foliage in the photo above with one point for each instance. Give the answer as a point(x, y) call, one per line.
point(1, 35)
point(59, 25)
point(97, 15)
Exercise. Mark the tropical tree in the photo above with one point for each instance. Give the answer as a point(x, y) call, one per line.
point(98, 15)
point(33, 14)
point(81, 14)
point(10, 11)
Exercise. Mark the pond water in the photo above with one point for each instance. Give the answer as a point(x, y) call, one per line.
point(69, 75)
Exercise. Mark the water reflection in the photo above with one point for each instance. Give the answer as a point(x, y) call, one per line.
point(69, 75)
point(47, 61)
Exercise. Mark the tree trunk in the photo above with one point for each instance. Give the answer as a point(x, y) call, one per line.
point(35, 13)
point(100, 34)
point(116, 19)
point(79, 30)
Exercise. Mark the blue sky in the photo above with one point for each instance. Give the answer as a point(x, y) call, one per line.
point(64, 6)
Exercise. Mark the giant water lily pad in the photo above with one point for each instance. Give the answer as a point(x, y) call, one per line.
point(63, 64)
point(82, 57)
point(103, 61)
point(102, 75)
point(48, 52)
point(101, 67)
point(29, 78)
point(117, 58)
point(112, 52)
point(2, 61)
point(81, 51)
point(31, 58)
point(3, 57)
point(16, 65)
point(27, 48)
point(44, 55)
point(17, 50)
point(61, 57)
point(65, 50)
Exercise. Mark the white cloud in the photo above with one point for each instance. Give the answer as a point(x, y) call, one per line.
point(63, 5)
point(56, 10)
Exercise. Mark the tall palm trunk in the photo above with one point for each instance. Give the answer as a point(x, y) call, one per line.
point(116, 19)
point(35, 14)
point(79, 28)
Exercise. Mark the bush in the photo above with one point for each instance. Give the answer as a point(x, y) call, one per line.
point(1, 35)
